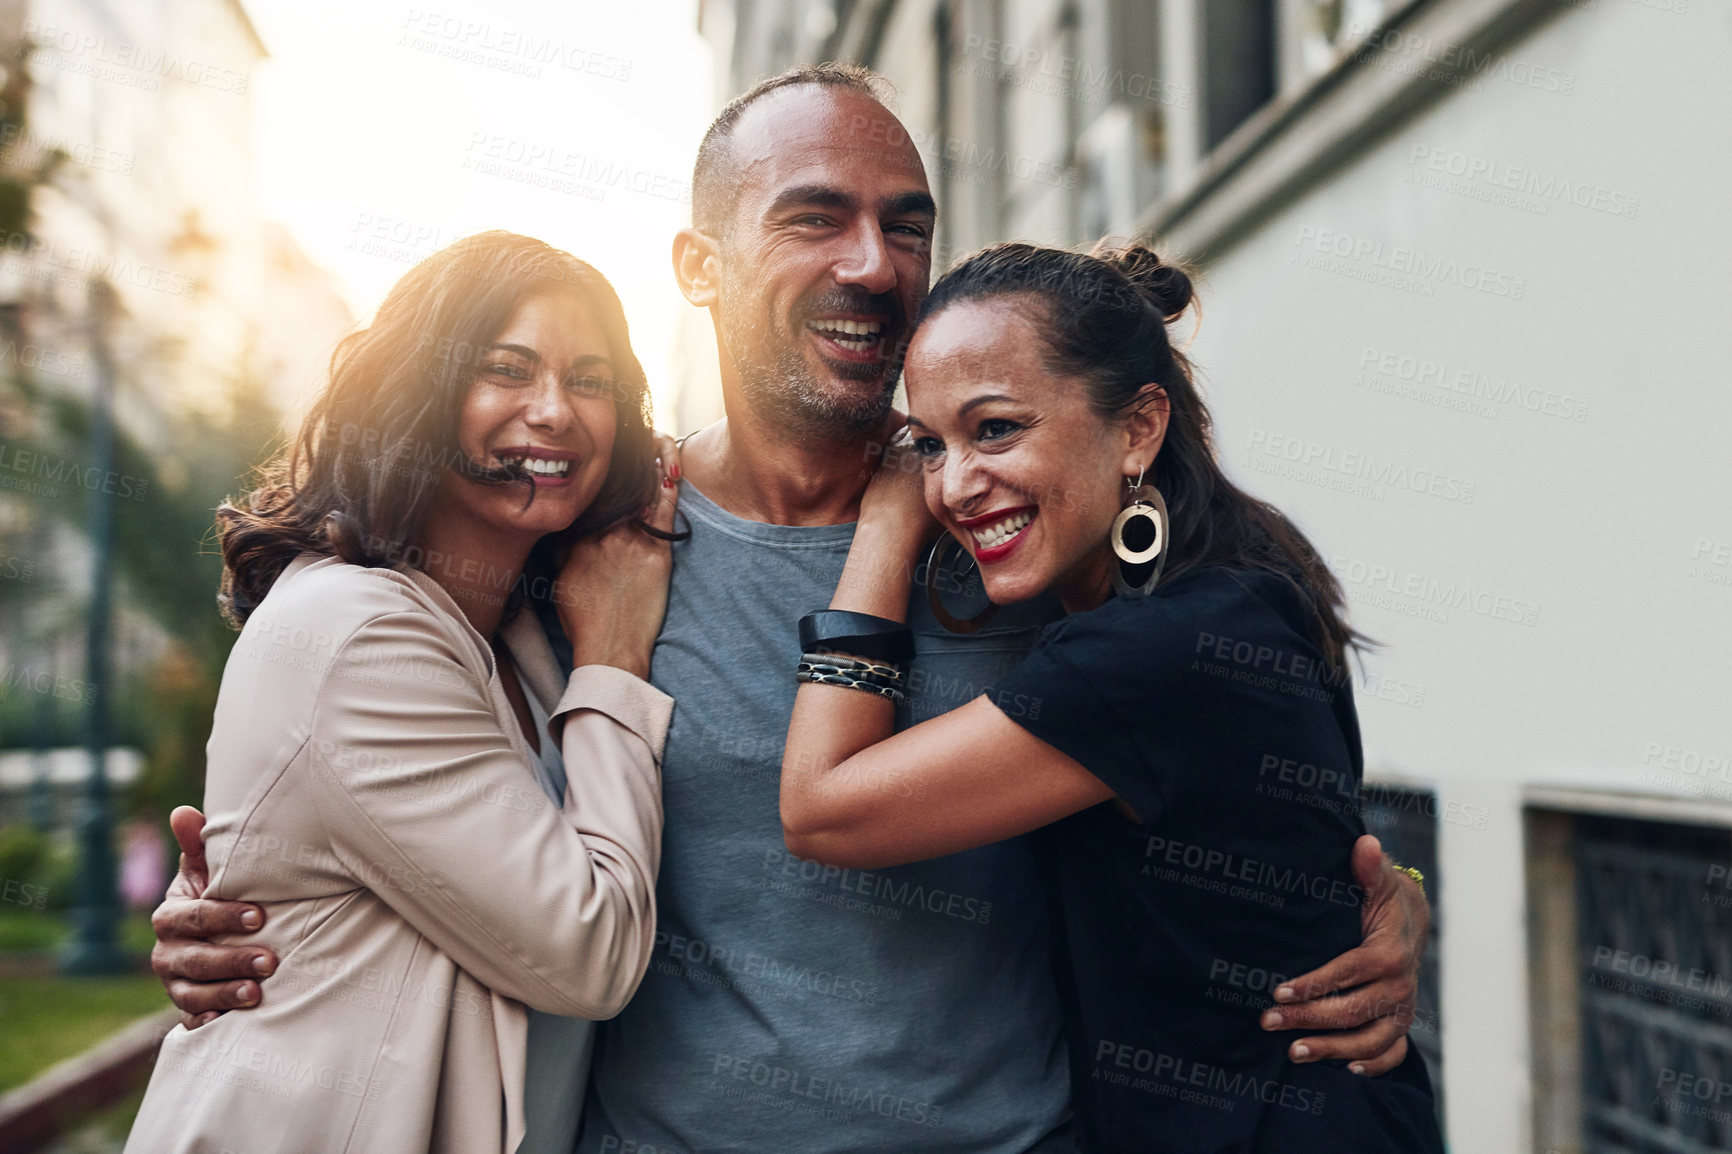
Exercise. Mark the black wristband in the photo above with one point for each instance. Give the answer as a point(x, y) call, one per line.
point(860, 634)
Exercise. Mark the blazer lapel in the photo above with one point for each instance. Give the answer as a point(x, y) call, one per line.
point(524, 637)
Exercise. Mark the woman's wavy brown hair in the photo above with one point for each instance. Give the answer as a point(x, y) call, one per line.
point(357, 479)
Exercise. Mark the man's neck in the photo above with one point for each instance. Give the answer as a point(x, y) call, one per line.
point(759, 473)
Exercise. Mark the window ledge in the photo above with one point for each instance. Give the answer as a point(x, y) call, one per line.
point(1705, 811)
point(1299, 140)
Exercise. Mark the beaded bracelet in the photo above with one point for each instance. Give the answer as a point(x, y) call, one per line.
point(896, 696)
point(854, 667)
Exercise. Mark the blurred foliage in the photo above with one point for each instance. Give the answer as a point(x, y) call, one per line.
point(167, 569)
point(37, 867)
point(166, 563)
point(22, 171)
point(23, 852)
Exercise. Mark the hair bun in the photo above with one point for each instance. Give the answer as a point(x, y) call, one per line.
point(1164, 285)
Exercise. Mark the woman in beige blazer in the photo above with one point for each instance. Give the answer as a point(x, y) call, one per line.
point(391, 721)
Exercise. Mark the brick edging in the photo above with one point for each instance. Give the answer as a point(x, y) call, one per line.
point(36, 1112)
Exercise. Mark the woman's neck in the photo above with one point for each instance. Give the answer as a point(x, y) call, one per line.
point(1088, 583)
point(476, 564)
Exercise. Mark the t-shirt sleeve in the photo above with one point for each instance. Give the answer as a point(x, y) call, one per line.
point(1102, 687)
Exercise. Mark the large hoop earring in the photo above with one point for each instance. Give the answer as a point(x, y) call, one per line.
point(1146, 502)
point(936, 560)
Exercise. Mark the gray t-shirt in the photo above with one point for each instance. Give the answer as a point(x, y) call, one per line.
point(791, 1006)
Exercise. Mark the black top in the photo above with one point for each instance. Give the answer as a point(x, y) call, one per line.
point(1211, 713)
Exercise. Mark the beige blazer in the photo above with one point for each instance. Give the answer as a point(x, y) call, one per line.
point(367, 783)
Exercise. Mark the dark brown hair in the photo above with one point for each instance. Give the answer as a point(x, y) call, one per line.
point(1103, 318)
point(357, 479)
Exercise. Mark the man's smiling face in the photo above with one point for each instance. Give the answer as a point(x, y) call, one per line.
point(825, 260)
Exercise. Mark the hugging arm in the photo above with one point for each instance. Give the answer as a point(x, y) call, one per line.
point(620, 581)
point(1366, 996)
point(204, 979)
point(555, 909)
point(426, 803)
point(936, 789)
point(943, 787)
point(855, 795)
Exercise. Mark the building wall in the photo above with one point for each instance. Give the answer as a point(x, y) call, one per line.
point(1544, 579)
point(160, 95)
point(152, 103)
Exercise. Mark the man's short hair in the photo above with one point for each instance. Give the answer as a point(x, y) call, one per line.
point(715, 186)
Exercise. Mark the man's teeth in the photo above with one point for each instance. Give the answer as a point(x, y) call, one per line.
point(999, 532)
point(540, 466)
point(852, 334)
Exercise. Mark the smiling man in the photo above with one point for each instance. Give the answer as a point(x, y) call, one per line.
point(792, 1006)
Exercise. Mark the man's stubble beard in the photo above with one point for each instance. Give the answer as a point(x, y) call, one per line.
point(777, 380)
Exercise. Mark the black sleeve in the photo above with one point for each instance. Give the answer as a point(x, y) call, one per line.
point(1101, 688)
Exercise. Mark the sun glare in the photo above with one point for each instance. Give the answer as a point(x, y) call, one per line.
point(387, 131)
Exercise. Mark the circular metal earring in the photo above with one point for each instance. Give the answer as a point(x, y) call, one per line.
point(1145, 502)
point(935, 561)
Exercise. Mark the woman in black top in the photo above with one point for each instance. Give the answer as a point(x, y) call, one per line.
point(1186, 746)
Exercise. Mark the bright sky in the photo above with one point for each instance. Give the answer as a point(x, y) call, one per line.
point(388, 130)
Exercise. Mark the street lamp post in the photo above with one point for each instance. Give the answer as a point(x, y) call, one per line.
point(39, 805)
point(39, 802)
point(93, 949)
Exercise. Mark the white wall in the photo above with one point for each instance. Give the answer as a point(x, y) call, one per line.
point(1614, 531)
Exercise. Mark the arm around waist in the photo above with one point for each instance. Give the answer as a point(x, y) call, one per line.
point(429, 803)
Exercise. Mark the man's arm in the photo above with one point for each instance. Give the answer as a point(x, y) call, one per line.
point(1366, 994)
point(204, 980)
